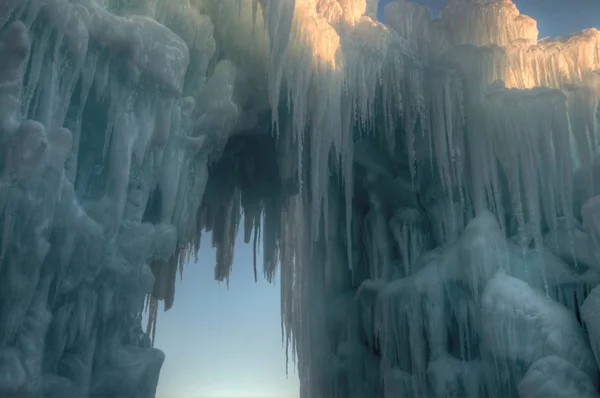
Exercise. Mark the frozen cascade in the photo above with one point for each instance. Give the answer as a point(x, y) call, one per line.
point(428, 189)
point(483, 22)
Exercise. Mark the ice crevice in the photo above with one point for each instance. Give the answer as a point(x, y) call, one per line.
point(426, 190)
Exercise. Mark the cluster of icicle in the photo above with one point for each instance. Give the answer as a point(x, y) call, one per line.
point(398, 138)
point(491, 118)
point(106, 139)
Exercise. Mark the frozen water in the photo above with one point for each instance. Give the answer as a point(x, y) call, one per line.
point(554, 377)
point(428, 190)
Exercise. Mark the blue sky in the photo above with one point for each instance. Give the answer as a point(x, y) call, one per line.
point(220, 342)
point(226, 343)
point(561, 17)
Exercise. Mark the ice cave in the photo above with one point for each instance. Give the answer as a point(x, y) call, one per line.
point(428, 188)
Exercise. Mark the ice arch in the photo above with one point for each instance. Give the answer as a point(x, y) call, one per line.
point(429, 189)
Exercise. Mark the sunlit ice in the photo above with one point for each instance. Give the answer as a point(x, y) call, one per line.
point(424, 193)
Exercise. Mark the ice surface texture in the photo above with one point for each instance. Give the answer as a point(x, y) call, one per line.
point(429, 189)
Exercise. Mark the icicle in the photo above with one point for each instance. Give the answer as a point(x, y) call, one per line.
point(278, 16)
point(348, 195)
point(182, 260)
point(254, 248)
point(38, 52)
point(225, 240)
point(152, 318)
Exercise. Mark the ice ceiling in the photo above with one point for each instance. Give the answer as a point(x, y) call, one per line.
point(429, 190)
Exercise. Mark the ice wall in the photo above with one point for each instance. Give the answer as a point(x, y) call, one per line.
point(427, 188)
point(99, 154)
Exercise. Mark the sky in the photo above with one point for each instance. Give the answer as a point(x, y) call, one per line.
point(225, 342)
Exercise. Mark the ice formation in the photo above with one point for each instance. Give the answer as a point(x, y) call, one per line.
point(428, 188)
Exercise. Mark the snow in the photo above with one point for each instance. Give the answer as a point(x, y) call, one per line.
point(520, 325)
point(441, 173)
point(554, 377)
point(589, 312)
